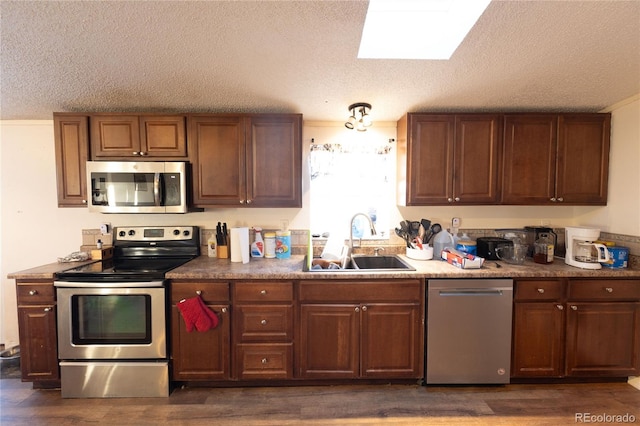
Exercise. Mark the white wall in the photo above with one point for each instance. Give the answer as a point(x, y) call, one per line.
point(34, 231)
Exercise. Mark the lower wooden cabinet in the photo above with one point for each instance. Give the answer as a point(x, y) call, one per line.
point(576, 328)
point(368, 329)
point(37, 330)
point(201, 355)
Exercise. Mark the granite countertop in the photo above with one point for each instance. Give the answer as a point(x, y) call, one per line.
point(204, 267)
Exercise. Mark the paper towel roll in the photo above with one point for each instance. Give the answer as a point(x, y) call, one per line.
point(240, 245)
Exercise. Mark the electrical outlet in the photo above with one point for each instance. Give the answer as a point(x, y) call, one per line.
point(105, 228)
point(455, 222)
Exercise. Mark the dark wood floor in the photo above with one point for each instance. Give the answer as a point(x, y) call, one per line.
point(327, 405)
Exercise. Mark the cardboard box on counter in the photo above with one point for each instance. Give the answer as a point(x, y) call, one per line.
point(103, 253)
point(462, 260)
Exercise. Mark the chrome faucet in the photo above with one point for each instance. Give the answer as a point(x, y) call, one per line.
point(373, 229)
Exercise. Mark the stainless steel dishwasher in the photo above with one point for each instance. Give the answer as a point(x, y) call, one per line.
point(469, 331)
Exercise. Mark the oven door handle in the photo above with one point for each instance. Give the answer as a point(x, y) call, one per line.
point(156, 189)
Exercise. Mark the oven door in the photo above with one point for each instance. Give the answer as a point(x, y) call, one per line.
point(111, 323)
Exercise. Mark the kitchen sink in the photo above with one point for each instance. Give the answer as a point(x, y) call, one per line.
point(362, 263)
point(380, 262)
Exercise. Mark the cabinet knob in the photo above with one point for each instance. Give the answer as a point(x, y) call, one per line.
point(609, 289)
point(143, 153)
point(263, 322)
point(357, 309)
point(560, 199)
point(560, 307)
point(224, 310)
point(364, 308)
point(84, 201)
point(33, 292)
point(457, 199)
point(450, 200)
point(541, 290)
point(135, 152)
point(553, 199)
point(574, 307)
point(47, 309)
point(199, 292)
point(263, 292)
point(241, 201)
point(264, 361)
point(248, 201)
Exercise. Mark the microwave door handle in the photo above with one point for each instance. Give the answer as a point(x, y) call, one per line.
point(156, 189)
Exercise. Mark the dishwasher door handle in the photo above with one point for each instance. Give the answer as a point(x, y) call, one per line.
point(471, 292)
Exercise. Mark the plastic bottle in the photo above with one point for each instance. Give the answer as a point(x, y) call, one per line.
point(543, 249)
point(441, 241)
point(212, 249)
point(257, 247)
point(283, 244)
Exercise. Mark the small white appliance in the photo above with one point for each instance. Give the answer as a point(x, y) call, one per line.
point(582, 251)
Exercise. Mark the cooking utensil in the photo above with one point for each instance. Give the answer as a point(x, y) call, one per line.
point(426, 225)
point(402, 234)
point(435, 228)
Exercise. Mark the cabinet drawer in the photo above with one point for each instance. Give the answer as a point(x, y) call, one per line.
point(264, 322)
point(362, 291)
point(264, 361)
point(604, 290)
point(30, 293)
point(209, 291)
point(267, 291)
point(539, 290)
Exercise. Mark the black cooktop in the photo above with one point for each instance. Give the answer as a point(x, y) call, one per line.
point(123, 270)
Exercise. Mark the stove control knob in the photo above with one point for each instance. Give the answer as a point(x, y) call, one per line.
point(121, 234)
point(176, 232)
point(132, 232)
point(186, 232)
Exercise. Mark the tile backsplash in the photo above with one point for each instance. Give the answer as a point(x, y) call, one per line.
point(392, 245)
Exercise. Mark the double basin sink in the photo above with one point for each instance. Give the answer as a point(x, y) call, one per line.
point(363, 263)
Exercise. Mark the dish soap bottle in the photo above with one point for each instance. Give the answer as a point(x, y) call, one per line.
point(257, 247)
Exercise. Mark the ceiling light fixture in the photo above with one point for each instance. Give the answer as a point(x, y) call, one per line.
point(359, 118)
point(417, 29)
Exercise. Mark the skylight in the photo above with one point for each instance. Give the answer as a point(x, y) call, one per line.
point(417, 29)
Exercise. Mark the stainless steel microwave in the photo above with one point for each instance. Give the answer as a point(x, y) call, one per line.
point(137, 187)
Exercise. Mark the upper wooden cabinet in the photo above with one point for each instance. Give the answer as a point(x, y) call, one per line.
point(123, 136)
point(556, 159)
point(246, 160)
point(448, 159)
point(72, 152)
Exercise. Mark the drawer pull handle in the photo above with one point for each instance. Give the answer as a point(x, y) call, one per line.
point(574, 307)
point(560, 307)
point(199, 292)
point(265, 361)
point(263, 322)
point(33, 292)
point(541, 290)
point(609, 289)
point(263, 292)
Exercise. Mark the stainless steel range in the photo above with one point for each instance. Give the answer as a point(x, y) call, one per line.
point(112, 315)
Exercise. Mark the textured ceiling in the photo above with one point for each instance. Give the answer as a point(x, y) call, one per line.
point(301, 56)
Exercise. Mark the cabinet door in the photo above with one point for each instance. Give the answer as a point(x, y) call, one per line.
point(430, 159)
point(38, 343)
point(391, 341)
point(114, 136)
point(201, 355)
point(476, 154)
point(538, 340)
point(72, 153)
point(583, 158)
point(163, 136)
point(529, 159)
point(274, 161)
point(217, 152)
point(329, 341)
point(603, 339)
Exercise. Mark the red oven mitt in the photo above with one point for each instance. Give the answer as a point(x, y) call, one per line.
point(196, 314)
